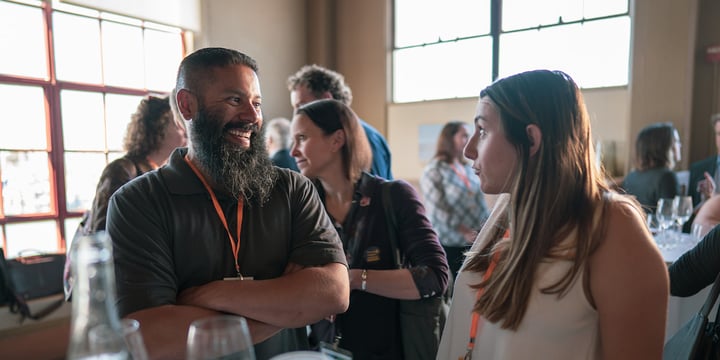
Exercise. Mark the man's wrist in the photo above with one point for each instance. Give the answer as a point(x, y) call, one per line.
point(363, 278)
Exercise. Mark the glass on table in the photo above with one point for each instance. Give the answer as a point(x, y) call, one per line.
point(220, 337)
point(101, 339)
point(664, 215)
point(698, 231)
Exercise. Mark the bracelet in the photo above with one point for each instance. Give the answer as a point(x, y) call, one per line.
point(363, 276)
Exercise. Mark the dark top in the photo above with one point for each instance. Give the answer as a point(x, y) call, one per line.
point(697, 173)
point(369, 328)
point(381, 159)
point(698, 267)
point(167, 237)
point(649, 186)
point(283, 159)
point(116, 174)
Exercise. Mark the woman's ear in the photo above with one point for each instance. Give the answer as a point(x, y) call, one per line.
point(338, 139)
point(187, 103)
point(535, 137)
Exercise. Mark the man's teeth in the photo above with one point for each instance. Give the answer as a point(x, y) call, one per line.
point(239, 133)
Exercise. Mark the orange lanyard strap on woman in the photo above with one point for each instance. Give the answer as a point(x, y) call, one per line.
point(461, 173)
point(235, 245)
point(475, 323)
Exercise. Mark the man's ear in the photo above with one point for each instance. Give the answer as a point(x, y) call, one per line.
point(187, 104)
point(535, 137)
point(325, 95)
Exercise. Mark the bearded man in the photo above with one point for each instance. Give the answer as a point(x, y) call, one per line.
point(219, 230)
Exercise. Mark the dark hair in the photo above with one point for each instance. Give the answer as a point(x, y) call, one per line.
point(445, 149)
point(195, 69)
point(147, 125)
point(319, 80)
point(331, 115)
point(653, 144)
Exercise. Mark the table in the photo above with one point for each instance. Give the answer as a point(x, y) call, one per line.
point(680, 309)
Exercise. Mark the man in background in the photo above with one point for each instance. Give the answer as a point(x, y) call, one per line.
point(278, 143)
point(704, 174)
point(314, 82)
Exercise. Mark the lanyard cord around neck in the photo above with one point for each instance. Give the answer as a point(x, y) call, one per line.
point(235, 245)
point(476, 323)
point(462, 175)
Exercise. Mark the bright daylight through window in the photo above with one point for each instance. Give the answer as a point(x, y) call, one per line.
point(70, 78)
point(445, 48)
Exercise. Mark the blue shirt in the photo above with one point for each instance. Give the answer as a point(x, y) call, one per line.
point(381, 162)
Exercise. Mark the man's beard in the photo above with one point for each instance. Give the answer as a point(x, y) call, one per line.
point(246, 173)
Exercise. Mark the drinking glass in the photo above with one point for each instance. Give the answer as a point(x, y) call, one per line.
point(698, 232)
point(220, 337)
point(664, 215)
point(101, 338)
point(682, 210)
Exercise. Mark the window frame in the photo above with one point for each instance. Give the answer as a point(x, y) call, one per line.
point(55, 149)
point(495, 33)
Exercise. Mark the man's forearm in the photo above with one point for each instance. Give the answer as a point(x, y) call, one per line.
point(293, 300)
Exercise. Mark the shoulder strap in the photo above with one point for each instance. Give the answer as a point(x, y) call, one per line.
point(391, 222)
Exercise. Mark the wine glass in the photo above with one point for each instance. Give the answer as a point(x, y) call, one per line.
point(682, 210)
point(664, 216)
point(102, 339)
point(220, 337)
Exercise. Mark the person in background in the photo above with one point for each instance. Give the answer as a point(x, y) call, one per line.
point(704, 174)
point(657, 151)
point(278, 142)
point(313, 82)
point(564, 268)
point(331, 148)
point(152, 134)
point(698, 267)
point(708, 215)
point(454, 202)
point(220, 230)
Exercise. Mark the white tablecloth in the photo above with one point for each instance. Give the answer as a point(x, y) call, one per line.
point(680, 309)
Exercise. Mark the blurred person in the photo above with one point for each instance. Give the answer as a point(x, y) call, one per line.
point(331, 148)
point(454, 202)
point(152, 134)
point(705, 173)
point(657, 151)
point(220, 230)
point(564, 268)
point(314, 82)
point(278, 142)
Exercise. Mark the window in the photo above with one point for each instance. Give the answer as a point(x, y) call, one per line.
point(70, 78)
point(453, 48)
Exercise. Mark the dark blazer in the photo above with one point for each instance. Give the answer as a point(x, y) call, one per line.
point(697, 170)
point(282, 158)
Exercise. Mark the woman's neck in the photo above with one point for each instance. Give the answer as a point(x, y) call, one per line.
point(339, 193)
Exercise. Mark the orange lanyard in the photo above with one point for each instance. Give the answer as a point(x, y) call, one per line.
point(462, 175)
point(235, 245)
point(153, 164)
point(475, 323)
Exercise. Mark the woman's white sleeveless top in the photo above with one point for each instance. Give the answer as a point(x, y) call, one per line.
point(552, 328)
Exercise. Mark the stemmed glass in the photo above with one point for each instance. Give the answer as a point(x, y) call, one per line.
point(682, 209)
point(664, 215)
point(220, 337)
